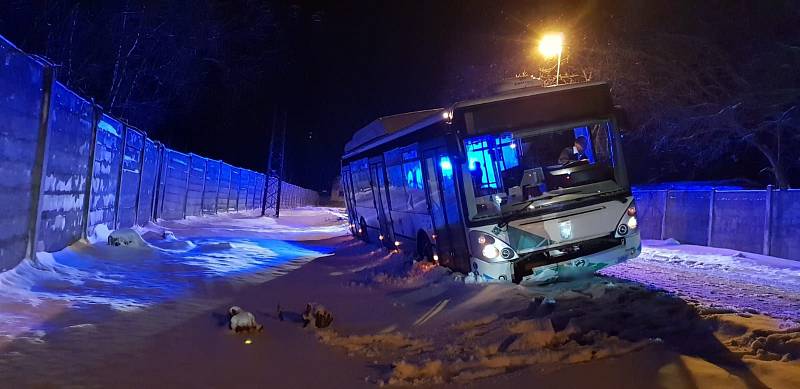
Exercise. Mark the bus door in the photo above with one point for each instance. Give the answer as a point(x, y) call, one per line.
point(444, 205)
point(381, 203)
point(347, 187)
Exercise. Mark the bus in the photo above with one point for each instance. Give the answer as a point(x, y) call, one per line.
point(525, 186)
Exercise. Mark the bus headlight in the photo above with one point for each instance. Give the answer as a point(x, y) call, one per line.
point(490, 252)
point(633, 223)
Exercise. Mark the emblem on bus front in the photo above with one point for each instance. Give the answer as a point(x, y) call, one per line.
point(566, 229)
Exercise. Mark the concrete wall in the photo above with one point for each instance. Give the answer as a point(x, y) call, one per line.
point(758, 221)
point(224, 187)
point(233, 193)
point(66, 168)
point(105, 174)
point(194, 196)
point(244, 189)
point(211, 187)
point(22, 92)
point(784, 228)
point(69, 169)
point(150, 160)
point(294, 196)
point(131, 173)
point(174, 179)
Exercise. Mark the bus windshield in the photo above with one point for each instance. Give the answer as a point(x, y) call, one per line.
point(532, 169)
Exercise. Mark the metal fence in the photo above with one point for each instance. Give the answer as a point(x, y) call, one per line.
point(758, 221)
point(69, 169)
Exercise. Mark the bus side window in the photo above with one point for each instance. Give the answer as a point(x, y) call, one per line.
point(397, 191)
point(415, 187)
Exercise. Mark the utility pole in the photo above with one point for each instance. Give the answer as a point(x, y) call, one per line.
point(274, 176)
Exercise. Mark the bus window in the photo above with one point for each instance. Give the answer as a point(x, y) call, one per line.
point(397, 191)
point(406, 185)
point(509, 168)
point(361, 184)
point(415, 187)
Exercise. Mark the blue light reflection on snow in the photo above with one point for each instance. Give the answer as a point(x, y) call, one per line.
point(132, 278)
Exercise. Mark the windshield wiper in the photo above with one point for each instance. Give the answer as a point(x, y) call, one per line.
point(504, 221)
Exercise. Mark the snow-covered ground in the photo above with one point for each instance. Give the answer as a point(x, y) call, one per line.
point(236, 248)
point(153, 315)
point(718, 278)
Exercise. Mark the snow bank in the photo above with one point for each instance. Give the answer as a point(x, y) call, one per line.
point(299, 224)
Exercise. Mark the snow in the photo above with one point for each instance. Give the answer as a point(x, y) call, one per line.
point(133, 274)
point(104, 316)
point(126, 237)
point(718, 278)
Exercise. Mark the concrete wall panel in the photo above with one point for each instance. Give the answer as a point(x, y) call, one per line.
point(22, 87)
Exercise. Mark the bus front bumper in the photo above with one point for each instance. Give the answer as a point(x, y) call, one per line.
point(534, 269)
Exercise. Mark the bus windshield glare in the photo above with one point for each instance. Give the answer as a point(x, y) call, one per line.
point(527, 169)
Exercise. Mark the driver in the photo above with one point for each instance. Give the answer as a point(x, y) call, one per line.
point(574, 153)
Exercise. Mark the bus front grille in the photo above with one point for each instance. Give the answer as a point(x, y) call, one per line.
point(524, 266)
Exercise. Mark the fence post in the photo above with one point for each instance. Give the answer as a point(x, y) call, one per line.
point(121, 174)
point(711, 200)
point(40, 164)
point(153, 201)
point(203, 192)
point(141, 174)
point(219, 179)
point(87, 199)
point(188, 177)
point(767, 221)
point(162, 167)
point(664, 214)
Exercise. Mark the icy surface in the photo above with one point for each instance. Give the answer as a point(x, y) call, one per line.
point(718, 278)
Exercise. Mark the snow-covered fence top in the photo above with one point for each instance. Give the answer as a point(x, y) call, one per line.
point(70, 171)
point(756, 221)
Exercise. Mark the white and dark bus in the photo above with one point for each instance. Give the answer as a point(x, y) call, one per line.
point(529, 185)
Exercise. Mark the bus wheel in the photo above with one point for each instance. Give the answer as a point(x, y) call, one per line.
point(362, 230)
point(424, 247)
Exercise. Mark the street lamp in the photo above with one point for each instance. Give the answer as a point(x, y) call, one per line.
point(550, 46)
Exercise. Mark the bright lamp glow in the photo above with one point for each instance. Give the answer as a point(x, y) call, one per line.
point(490, 252)
point(551, 44)
point(633, 223)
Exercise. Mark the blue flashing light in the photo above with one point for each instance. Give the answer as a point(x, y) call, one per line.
point(445, 164)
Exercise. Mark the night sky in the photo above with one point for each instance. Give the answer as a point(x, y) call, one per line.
point(207, 76)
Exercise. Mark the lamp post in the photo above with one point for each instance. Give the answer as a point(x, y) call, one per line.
point(551, 46)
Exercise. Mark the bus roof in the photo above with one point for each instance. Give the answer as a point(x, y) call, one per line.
point(381, 129)
point(388, 128)
point(527, 92)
